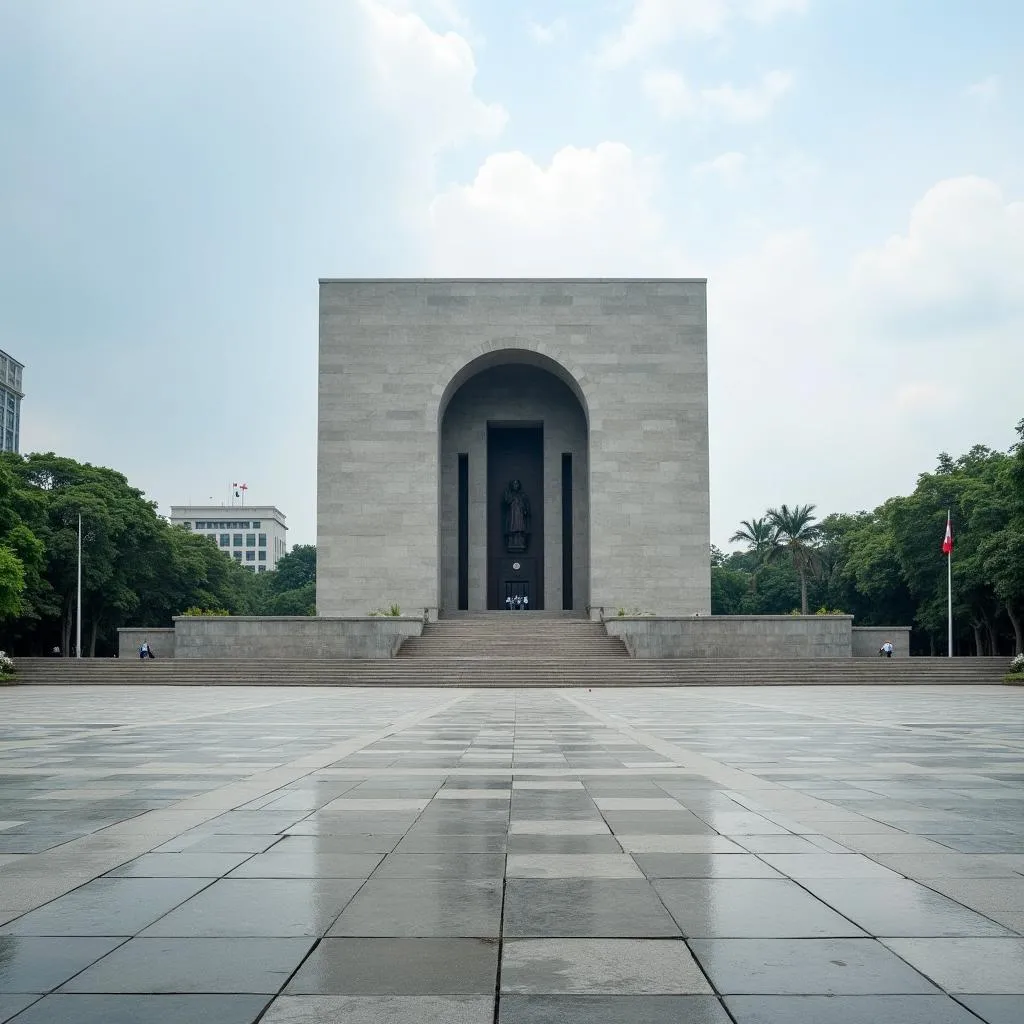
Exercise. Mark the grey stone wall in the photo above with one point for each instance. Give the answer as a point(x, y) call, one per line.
point(735, 636)
point(234, 637)
point(516, 393)
point(130, 639)
point(867, 640)
point(393, 353)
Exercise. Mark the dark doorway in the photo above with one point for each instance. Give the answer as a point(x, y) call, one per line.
point(515, 561)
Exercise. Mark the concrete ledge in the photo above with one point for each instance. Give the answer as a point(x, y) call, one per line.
point(238, 637)
point(130, 639)
point(867, 640)
point(735, 636)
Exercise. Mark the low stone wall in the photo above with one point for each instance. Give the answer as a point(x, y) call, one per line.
point(232, 637)
point(735, 636)
point(867, 640)
point(129, 640)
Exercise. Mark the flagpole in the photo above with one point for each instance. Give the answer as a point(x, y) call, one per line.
point(949, 594)
point(78, 633)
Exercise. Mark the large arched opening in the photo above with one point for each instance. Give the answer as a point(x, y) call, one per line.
point(513, 487)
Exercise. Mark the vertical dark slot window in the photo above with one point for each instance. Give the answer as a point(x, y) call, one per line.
point(463, 532)
point(567, 601)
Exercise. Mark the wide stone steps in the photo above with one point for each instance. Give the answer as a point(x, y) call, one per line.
point(505, 672)
point(514, 635)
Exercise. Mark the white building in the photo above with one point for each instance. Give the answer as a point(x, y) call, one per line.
point(253, 535)
point(10, 403)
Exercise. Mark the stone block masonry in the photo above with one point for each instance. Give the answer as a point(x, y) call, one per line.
point(393, 353)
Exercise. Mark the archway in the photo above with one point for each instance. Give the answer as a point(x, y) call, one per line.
point(513, 488)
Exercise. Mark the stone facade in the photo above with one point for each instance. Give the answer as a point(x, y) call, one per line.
point(130, 639)
point(233, 637)
point(867, 640)
point(735, 636)
point(394, 354)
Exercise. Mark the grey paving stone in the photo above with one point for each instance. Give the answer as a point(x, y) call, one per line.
point(430, 842)
point(749, 908)
point(697, 865)
point(235, 965)
point(806, 967)
point(108, 906)
point(900, 907)
point(563, 865)
point(871, 1009)
point(264, 907)
point(417, 967)
point(180, 865)
point(996, 1009)
point(563, 844)
point(803, 866)
point(610, 908)
point(978, 966)
point(337, 844)
point(611, 1010)
point(600, 966)
point(143, 1009)
point(423, 907)
point(34, 964)
point(441, 865)
point(381, 1010)
point(10, 1005)
point(308, 864)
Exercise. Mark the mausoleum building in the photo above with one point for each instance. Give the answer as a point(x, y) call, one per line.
point(489, 442)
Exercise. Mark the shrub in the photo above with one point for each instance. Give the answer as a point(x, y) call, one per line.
point(6, 665)
point(195, 610)
point(392, 611)
point(1016, 673)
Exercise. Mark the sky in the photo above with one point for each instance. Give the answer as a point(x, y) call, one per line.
point(176, 175)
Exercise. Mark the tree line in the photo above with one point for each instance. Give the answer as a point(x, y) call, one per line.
point(886, 567)
point(137, 569)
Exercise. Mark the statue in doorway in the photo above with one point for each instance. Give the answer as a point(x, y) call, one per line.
point(517, 518)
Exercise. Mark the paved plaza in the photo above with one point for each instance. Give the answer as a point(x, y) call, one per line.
point(296, 856)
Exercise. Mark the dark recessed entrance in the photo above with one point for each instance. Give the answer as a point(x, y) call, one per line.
point(515, 516)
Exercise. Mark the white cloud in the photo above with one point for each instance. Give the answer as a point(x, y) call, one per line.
point(589, 212)
point(961, 261)
point(426, 78)
point(545, 34)
point(764, 11)
point(674, 98)
point(727, 167)
point(916, 339)
point(986, 91)
point(654, 24)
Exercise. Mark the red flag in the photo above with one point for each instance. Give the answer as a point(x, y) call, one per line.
point(947, 541)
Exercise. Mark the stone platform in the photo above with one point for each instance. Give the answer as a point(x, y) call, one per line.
point(772, 856)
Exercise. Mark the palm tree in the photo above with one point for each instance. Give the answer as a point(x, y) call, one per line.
point(762, 539)
point(798, 535)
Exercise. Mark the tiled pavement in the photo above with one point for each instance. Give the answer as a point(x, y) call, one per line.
point(776, 856)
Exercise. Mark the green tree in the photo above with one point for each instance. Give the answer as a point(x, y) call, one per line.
point(12, 583)
point(762, 539)
point(798, 534)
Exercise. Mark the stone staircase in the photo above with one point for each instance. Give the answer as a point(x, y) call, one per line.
point(538, 667)
point(514, 635)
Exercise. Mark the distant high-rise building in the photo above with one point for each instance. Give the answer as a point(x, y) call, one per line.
point(11, 396)
point(253, 536)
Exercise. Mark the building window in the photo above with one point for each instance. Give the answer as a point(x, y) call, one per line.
point(255, 524)
point(188, 526)
point(251, 568)
point(237, 540)
point(238, 555)
point(225, 540)
point(250, 556)
point(263, 556)
point(261, 568)
point(250, 540)
point(263, 540)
